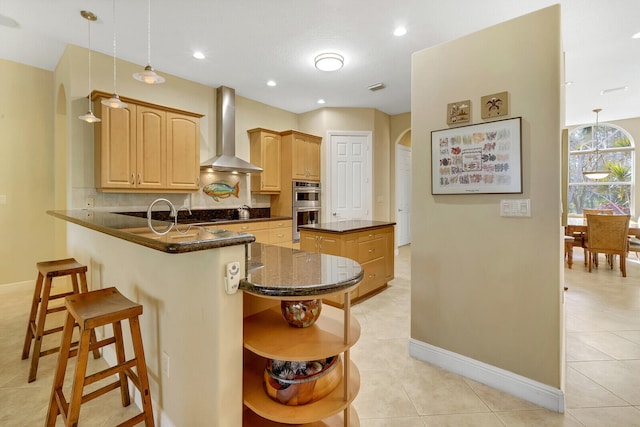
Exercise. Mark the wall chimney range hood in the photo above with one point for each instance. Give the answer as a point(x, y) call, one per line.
point(225, 159)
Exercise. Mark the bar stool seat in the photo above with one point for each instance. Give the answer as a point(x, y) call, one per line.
point(42, 296)
point(91, 310)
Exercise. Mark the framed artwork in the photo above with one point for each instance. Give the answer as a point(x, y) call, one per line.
point(494, 105)
point(458, 112)
point(477, 159)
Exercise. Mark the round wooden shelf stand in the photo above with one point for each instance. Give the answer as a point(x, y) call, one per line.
point(268, 336)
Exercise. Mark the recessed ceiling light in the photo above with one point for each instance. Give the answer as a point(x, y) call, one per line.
point(614, 89)
point(329, 61)
point(271, 83)
point(400, 31)
point(320, 101)
point(198, 55)
point(636, 36)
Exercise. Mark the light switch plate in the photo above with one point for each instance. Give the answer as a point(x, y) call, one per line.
point(515, 208)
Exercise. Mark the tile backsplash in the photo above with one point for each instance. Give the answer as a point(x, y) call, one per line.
point(131, 202)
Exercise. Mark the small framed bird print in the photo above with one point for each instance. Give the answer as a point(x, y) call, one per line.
point(495, 105)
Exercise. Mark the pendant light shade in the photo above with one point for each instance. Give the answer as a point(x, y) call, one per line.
point(595, 167)
point(148, 75)
point(89, 116)
point(114, 101)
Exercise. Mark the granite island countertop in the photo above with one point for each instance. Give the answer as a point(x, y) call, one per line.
point(347, 226)
point(180, 239)
point(285, 273)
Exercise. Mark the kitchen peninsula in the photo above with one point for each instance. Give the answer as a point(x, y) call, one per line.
point(192, 329)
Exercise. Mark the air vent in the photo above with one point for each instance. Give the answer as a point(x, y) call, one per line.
point(376, 86)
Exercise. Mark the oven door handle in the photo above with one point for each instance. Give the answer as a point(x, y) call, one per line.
point(306, 209)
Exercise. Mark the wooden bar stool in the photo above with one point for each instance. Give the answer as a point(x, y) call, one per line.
point(40, 306)
point(91, 310)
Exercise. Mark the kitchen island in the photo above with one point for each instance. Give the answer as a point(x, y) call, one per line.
point(192, 328)
point(371, 243)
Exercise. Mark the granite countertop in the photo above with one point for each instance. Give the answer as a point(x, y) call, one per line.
point(186, 238)
point(284, 273)
point(208, 216)
point(347, 226)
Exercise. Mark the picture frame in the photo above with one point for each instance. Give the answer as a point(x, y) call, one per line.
point(458, 112)
point(478, 159)
point(494, 105)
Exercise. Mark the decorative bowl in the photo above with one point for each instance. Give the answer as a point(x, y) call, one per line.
point(301, 314)
point(299, 383)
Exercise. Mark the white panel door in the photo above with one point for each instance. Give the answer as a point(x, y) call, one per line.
point(350, 181)
point(403, 194)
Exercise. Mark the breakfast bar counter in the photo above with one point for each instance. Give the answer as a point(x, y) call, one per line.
point(192, 328)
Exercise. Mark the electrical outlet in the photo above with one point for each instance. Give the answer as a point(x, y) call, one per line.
point(232, 277)
point(89, 202)
point(166, 363)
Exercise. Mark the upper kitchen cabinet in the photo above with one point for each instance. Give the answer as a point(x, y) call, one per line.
point(265, 153)
point(145, 148)
point(303, 151)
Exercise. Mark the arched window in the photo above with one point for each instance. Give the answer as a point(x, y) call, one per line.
point(614, 191)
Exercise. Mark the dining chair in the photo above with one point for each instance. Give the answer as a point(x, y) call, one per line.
point(608, 234)
point(580, 238)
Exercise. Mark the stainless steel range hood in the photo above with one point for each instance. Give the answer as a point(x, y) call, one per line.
point(225, 159)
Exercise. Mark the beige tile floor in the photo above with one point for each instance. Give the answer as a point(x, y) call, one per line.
point(603, 364)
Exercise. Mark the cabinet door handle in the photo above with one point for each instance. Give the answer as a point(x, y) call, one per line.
point(371, 276)
point(371, 251)
point(132, 179)
point(138, 179)
point(244, 227)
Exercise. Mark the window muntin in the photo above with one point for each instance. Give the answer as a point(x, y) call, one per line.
point(614, 192)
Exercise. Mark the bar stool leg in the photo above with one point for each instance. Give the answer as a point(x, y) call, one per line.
point(75, 401)
point(138, 349)
point(120, 357)
point(31, 326)
point(58, 379)
point(42, 315)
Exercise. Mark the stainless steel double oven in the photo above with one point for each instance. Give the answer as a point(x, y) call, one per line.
point(306, 205)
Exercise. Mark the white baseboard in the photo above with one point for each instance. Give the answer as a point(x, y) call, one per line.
point(500, 379)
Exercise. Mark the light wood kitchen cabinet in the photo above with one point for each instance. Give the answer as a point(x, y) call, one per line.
point(183, 151)
point(372, 248)
point(145, 148)
point(303, 150)
point(265, 153)
point(274, 232)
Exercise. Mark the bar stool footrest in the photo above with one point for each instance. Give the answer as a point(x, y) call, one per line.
point(123, 367)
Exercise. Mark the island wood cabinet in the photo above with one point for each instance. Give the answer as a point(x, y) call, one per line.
point(373, 249)
point(268, 336)
point(265, 153)
point(145, 148)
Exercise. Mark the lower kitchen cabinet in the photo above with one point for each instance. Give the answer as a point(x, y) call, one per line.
point(273, 232)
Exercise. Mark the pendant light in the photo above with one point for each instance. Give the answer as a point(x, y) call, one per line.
point(148, 75)
point(88, 116)
point(595, 167)
point(114, 101)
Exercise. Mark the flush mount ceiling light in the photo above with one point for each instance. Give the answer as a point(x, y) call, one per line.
point(271, 83)
point(321, 101)
point(114, 101)
point(636, 36)
point(149, 76)
point(329, 62)
point(595, 167)
point(400, 31)
point(198, 55)
point(88, 116)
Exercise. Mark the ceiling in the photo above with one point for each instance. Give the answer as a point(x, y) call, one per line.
point(247, 42)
